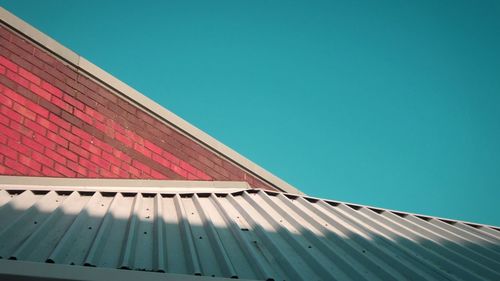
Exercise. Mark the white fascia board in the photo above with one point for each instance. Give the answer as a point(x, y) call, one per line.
point(23, 270)
point(121, 185)
point(134, 96)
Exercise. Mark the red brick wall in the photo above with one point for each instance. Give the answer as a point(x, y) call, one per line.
point(56, 121)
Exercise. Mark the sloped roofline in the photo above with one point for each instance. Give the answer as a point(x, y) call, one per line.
point(154, 109)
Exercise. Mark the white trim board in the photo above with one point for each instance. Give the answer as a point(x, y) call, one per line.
point(137, 98)
point(121, 185)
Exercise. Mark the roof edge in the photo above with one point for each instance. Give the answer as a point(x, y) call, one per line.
point(150, 106)
point(26, 270)
point(355, 205)
point(121, 185)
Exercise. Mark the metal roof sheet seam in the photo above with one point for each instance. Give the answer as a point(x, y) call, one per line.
point(248, 234)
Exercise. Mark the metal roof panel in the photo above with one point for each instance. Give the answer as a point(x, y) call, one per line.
point(244, 234)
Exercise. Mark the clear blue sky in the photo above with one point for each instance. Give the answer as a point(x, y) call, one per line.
point(394, 104)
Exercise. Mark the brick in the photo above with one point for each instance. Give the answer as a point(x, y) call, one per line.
point(122, 156)
point(5, 33)
point(141, 167)
point(103, 128)
point(29, 76)
point(13, 134)
point(13, 115)
point(127, 106)
point(134, 137)
point(55, 73)
point(53, 109)
point(23, 44)
point(91, 112)
point(41, 158)
point(51, 89)
point(16, 166)
point(91, 148)
point(133, 171)
point(188, 168)
point(46, 171)
point(44, 56)
point(74, 102)
point(81, 133)
point(157, 175)
point(89, 165)
point(40, 92)
point(72, 119)
point(153, 147)
point(64, 87)
point(86, 100)
point(221, 171)
point(170, 157)
point(6, 101)
point(69, 136)
point(67, 154)
point(57, 139)
point(8, 64)
point(21, 129)
point(162, 161)
point(44, 141)
point(31, 143)
point(60, 122)
point(14, 96)
point(4, 120)
point(47, 124)
point(35, 127)
point(24, 111)
point(100, 162)
point(37, 109)
point(203, 176)
point(28, 162)
point(143, 150)
point(55, 156)
point(111, 123)
point(123, 139)
point(102, 145)
point(77, 168)
point(6, 171)
point(61, 104)
point(91, 85)
point(3, 139)
point(8, 151)
point(86, 118)
point(110, 158)
point(18, 79)
point(119, 172)
point(178, 170)
point(67, 70)
point(79, 150)
point(64, 171)
point(106, 174)
point(145, 116)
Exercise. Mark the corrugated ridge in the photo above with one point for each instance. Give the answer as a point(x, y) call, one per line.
point(248, 234)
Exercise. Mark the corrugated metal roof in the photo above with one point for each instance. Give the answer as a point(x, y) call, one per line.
point(247, 234)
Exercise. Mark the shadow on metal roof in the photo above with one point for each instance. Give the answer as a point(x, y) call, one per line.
point(247, 234)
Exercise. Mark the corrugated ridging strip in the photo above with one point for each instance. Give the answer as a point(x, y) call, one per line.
point(249, 234)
